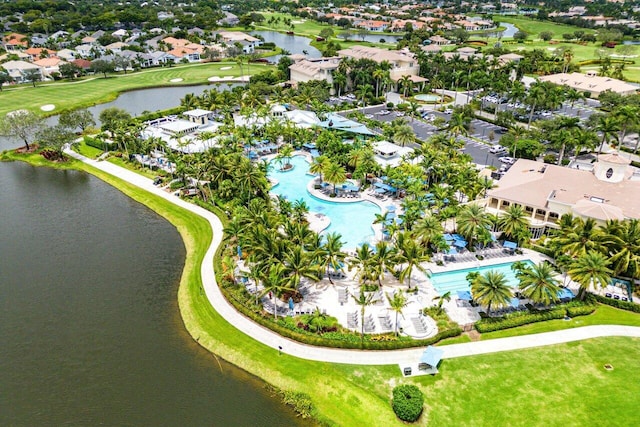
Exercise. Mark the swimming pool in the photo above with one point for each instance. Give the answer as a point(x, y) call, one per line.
point(351, 220)
point(456, 280)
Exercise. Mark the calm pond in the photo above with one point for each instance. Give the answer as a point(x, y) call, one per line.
point(91, 332)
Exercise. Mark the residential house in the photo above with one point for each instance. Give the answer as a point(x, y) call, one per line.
point(181, 53)
point(373, 25)
point(67, 54)
point(121, 33)
point(17, 69)
point(246, 40)
point(38, 40)
point(87, 50)
point(116, 47)
point(36, 53)
point(50, 65)
point(61, 34)
point(162, 58)
point(82, 63)
point(89, 40)
point(439, 40)
point(229, 19)
point(165, 15)
point(15, 41)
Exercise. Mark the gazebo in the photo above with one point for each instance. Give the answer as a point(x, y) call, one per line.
point(430, 359)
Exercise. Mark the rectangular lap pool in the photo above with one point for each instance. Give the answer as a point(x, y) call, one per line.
point(456, 280)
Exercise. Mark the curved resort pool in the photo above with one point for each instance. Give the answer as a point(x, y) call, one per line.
point(351, 220)
point(456, 280)
point(428, 97)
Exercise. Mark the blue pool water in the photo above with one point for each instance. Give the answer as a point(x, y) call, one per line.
point(456, 280)
point(351, 220)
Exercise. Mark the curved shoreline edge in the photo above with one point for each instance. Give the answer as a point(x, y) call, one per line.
point(346, 356)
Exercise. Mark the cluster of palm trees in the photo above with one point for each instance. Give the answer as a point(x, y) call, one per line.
point(592, 254)
point(537, 283)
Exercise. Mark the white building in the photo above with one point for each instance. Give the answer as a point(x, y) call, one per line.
point(389, 154)
point(185, 135)
point(314, 69)
point(591, 82)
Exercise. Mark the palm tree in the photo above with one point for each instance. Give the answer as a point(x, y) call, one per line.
point(472, 222)
point(363, 300)
point(297, 265)
point(590, 269)
point(583, 237)
point(608, 126)
point(382, 260)
point(318, 165)
point(378, 75)
point(411, 255)
point(274, 282)
point(446, 297)
point(331, 254)
point(491, 289)
point(539, 284)
point(397, 302)
point(405, 83)
point(537, 95)
point(404, 135)
point(513, 221)
point(334, 174)
point(364, 91)
point(459, 124)
point(625, 248)
point(629, 117)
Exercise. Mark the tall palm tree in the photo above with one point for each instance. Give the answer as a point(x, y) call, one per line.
point(274, 282)
point(539, 284)
point(397, 302)
point(472, 221)
point(513, 221)
point(608, 126)
point(331, 255)
point(405, 83)
point(297, 265)
point(335, 174)
point(363, 92)
point(625, 248)
point(491, 289)
point(459, 124)
point(446, 297)
point(378, 75)
point(404, 135)
point(629, 117)
point(583, 237)
point(590, 269)
point(363, 263)
point(411, 256)
point(383, 259)
point(364, 300)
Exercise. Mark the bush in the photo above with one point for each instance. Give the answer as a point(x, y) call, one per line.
point(513, 320)
point(579, 310)
point(408, 402)
point(623, 305)
point(389, 104)
point(99, 144)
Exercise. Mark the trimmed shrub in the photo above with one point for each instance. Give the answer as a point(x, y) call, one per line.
point(408, 402)
point(623, 305)
point(513, 320)
point(580, 310)
point(99, 144)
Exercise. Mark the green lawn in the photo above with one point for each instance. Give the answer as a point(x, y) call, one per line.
point(559, 385)
point(604, 315)
point(95, 90)
point(534, 27)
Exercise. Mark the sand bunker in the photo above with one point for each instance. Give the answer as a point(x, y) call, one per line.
point(226, 68)
point(48, 107)
point(176, 80)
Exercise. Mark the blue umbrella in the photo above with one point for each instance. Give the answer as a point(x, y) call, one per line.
point(464, 295)
point(290, 303)
point(514, 302)
point(390, 208)
point(452, 251)
point(460, 243)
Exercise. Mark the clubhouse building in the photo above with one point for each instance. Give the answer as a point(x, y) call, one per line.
point(605, 190)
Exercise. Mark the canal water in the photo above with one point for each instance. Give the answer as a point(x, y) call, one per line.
point(91, 332)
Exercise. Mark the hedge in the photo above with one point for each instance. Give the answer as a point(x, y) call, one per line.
point(623, 305)
point(100, 144)
point(518, 319)
point(408, 402)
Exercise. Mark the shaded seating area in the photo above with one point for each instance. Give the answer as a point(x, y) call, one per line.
point(430, 360)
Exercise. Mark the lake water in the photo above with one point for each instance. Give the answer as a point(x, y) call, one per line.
point(91, 332)
point(292, 44)
point(135, 102)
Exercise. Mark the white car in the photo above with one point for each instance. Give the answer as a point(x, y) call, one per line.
point(497, 149)
point(507, 160)
point(400, 114)
point(448, 111)
point(384, 112)
point(368, 116)
point(351, 96)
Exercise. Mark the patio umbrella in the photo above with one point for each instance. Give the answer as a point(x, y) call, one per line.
point(452, 251)
point(514, 302)
point(460, 243)
point(464, 295)
point(510, 245)
point(290, 303)
point(380, 190)
point(448, 237)
point(390, 208)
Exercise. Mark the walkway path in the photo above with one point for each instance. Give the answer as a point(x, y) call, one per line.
point(293, 348)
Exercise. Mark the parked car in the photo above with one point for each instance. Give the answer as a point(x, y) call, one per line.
point(400, 114)
point(507, 160)
point(448, 111)
point(497, 149)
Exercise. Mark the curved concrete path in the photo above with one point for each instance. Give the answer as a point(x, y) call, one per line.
point(354, 357)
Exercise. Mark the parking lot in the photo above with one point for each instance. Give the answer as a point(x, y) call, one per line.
point(482, 130)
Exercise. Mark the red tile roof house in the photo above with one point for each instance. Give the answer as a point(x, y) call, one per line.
point(373, 25)
point(15, 41)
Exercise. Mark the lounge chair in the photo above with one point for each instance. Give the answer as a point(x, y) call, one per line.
point(608, 295)
point(616, 296)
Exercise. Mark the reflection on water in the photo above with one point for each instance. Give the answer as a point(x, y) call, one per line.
point(91, 333)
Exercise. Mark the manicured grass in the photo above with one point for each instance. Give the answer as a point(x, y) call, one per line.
point(563, 385)
point(604, 315)
point(88, 151)
point(534, 27)
point(558, 385)
point(95, 90)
